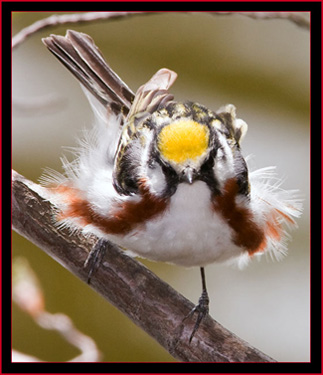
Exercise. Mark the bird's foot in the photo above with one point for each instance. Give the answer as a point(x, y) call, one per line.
point(202, 309)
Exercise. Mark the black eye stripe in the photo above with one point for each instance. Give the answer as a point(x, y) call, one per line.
point(209, 162)
point(172, 180)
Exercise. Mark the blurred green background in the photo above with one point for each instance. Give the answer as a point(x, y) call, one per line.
point(260, 66)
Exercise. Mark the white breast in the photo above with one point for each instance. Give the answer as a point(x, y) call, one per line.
point(189, 233)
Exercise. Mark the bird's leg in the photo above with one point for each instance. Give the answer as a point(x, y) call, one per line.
point(202, 308)
point(95, 257)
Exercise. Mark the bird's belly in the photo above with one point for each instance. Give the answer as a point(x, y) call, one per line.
point(189, 233)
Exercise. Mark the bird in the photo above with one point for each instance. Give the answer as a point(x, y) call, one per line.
point(165, 180)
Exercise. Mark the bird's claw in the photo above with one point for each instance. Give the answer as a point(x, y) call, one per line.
point(202, 308)
point(95, 257)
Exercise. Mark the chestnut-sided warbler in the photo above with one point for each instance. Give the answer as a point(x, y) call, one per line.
point(165, 180)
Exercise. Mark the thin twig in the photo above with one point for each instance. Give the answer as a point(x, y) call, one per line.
point(296, 17)
point(57, 20)
point(62, 324)
point(29, 297)
point(63, 19)
point(22, 357)
point(148, 301)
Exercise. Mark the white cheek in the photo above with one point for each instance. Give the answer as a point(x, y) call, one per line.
point(156, 178)
point(224, 164)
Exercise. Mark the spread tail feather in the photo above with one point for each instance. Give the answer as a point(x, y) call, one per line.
point(78, 52)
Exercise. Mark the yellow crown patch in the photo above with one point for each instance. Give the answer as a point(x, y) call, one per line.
point(183, 140)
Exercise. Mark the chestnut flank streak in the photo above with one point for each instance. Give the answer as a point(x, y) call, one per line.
point(122, 219)
point(247, 233)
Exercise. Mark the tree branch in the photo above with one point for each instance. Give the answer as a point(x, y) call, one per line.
point(148, 301)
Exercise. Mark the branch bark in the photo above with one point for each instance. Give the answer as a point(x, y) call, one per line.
point(148, 301)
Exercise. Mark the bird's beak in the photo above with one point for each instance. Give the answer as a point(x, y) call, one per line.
point(188, 174)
